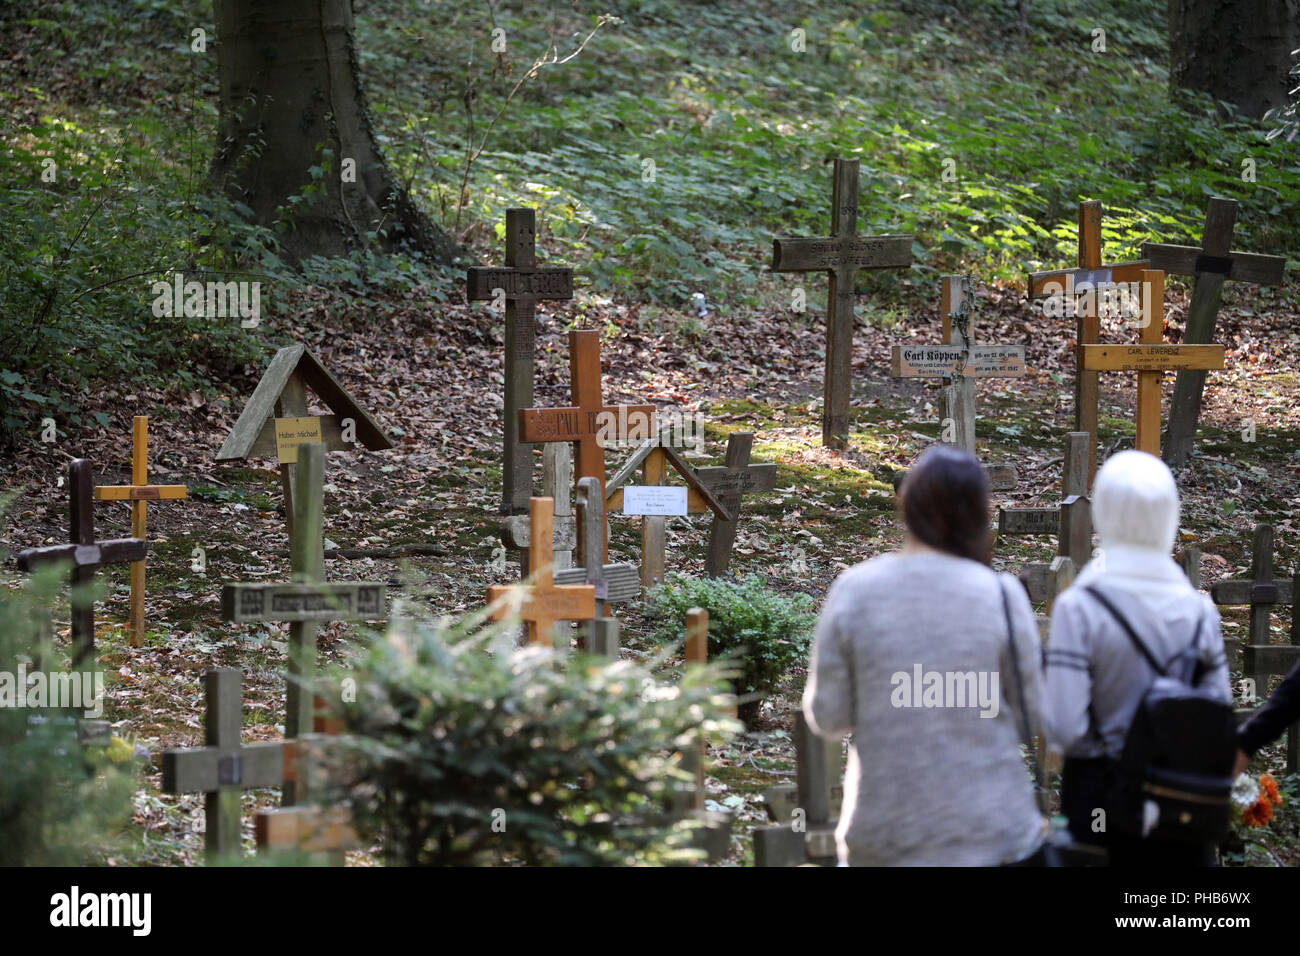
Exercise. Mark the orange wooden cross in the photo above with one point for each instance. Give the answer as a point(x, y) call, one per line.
point(1151, 358)
point(541, 602)
point(139, 493)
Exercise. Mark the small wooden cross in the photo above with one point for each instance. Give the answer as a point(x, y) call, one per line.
point(591, 422)
point(1071, 521)
point(810, 839)
point(557, 484)
point(222, 768)
point(654, 456)
point(1151, 359)
point(306, 601)
point(85, 554)
point(611, 582)
point(139, 493)
point(1211, 264)
point(542, 602)
point(521, 283)
point(841, 255)
point(728, 483)
point(1093, 272)
point(1262, 591)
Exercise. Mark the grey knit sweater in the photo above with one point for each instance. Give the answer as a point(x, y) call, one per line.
point(911, 657)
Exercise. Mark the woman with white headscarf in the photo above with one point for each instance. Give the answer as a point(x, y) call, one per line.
point(1096, 677)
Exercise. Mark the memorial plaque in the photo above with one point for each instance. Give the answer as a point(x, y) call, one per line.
point(979, 361)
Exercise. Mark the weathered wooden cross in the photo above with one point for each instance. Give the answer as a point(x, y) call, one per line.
point(841, 255)
point(519, 285)
point(591, 422)
point(139, 493)
point(1071, 521)
point(811, 806)
point(557, 484)
point(1151, 359)
point(306, 601)
point(958, 362)
point(1211, 264)
point(85, 555)
point(222, 768)
point(541, 602)
point(1084, 281)
point(653, 457)
point(611, 582)
point(729, 482)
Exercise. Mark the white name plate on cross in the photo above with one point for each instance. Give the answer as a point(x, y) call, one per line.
point(654, 499)
point(244, 603)
point(981, 361)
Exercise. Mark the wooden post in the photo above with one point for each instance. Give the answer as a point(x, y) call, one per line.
point(1190, 559)
point(654, 528)
point(609, 581)
point(697, 653)
point(307, 562)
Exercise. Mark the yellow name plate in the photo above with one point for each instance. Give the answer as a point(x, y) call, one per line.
point(292, 432)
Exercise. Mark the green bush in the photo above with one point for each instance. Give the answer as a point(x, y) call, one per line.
point(469, 751)
point(767, 632)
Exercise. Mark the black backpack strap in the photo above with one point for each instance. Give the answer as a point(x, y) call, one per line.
point(1128, 629)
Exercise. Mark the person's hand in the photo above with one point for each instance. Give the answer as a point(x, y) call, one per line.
point(1243, 759)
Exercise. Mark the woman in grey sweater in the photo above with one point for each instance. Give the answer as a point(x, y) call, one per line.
point(912, 656)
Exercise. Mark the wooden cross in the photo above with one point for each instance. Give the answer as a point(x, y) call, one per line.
point(1093, 272)
point(728, 483)
point(139, 493)
point(611, 582)
point(958, 362)
point(306, 601)
point(591, 422)
point(557, 484)
point(85, 554)
point(1211, 264)
point(521, 283)
point(1071, 521)
point(222, 769)
point(542, 603)
point(654, 456)
point(841, 255)
point(1151, 359)
point(811, 805)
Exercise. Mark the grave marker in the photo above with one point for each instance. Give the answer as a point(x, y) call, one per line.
point(841, 255)
point(1091, 271)
point(1261, 591)
point(85, 555)
point(139, 493)
point(222, 769)
point(1150, 359)
point(610, 582)
point(811, 805)
point(522, 283)
point(542, 603)
point(1211, 264)
point(729, 482)
point(1071, 521)
point(557, 484)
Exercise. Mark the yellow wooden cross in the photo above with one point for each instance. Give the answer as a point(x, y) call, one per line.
point(139, 493)
point(1151, 358)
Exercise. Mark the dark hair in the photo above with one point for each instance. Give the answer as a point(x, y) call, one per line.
point(944, 501)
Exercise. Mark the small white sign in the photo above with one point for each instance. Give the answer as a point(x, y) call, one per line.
point(654, 500)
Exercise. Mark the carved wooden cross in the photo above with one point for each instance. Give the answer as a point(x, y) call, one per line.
point(1090, 273)
point(222, 768)
point(541, 602)
point(841, 255)
point(1211, 264)
point(85, 554)
point(139, 493)
point(1151, 359)
point(728, 483)
point(521, 283)
point(591, 422)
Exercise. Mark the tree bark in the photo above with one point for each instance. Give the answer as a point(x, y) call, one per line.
point(291, 99)
point(1238, 51)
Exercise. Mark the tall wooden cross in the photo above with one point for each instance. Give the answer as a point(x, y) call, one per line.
point(729, 482)
point(521, 283)
point(306, 602)
point(810, 805)
point(610, 582)
point(1090, 274)
point(1211, 264)
point(139, 493)
point(85, 555)
point(841, 255)
point(590, 422)
point(222, 768)
point(1151, 359)
point(541, 602)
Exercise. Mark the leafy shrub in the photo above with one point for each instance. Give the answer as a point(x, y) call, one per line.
point(766, 631)
point(470, 751)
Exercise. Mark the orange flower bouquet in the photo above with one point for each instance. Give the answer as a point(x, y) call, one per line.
point(1253, 801)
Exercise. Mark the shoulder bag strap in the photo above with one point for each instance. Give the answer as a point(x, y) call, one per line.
point(1022, 717)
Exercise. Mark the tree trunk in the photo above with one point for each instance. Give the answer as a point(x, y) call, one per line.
point(1238, 51)
point(291, 99)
